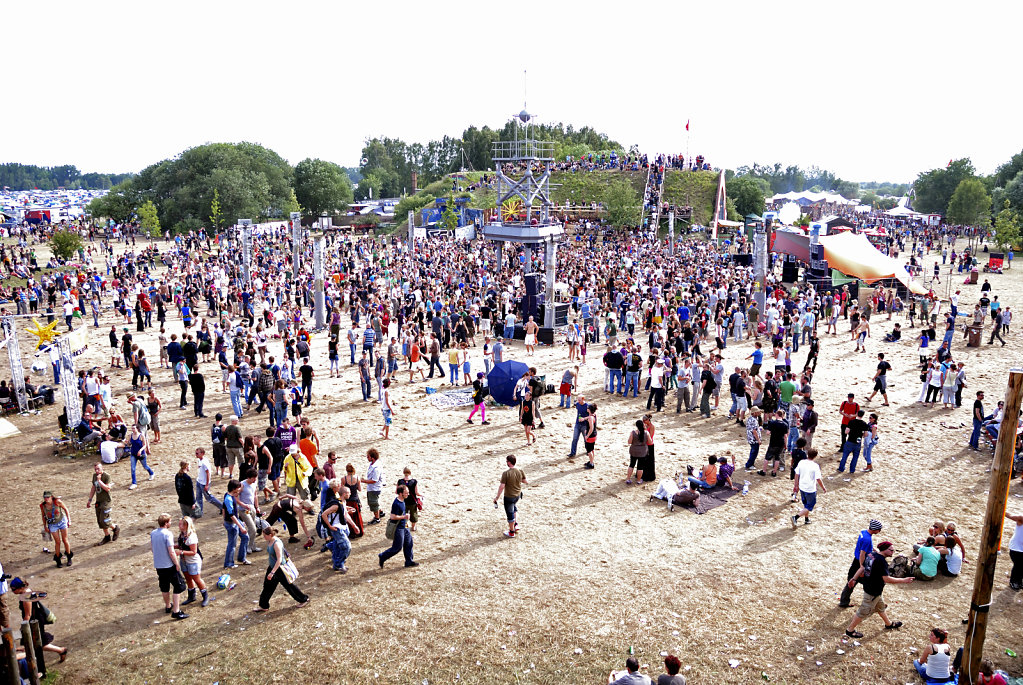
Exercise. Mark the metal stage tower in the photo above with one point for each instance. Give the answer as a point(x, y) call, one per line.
point(524, 204)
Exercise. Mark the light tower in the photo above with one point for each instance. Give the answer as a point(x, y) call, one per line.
point(524, 204)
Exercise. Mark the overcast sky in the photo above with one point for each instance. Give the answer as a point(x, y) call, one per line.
point(870, 91)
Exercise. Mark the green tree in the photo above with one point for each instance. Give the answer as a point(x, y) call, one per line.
point(970, 204)
point(933, 189)
point(622, 204)
point(149, 219)
point(216, 213)
point(119, 204)
point(1007, 227)
point(322, 187)
point(449, 220)
point(65, 244)
point(748, 195)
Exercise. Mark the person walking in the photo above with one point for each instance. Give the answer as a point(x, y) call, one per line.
point(139, 449)
point(374, 482)
point(808, 480)
point(479, 395)
point(100, 492)
point(198, 384)
point(181, 376)
point(57, 521)
point(234, 526)
point(875, 576)
point(168, 567)
point(280, 571)
point(512, 481)
point(864, 546)
point(203, 480)
point(402, 535)
point(339, 524)
point(579, 428)
point(881, 379)
point(191, 559)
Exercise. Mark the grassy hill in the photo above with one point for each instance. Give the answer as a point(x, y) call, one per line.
point(680, 187)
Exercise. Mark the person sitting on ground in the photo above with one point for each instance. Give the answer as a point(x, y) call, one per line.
point(925, 565)
point(672, 666)
point(895, 335)
point(33, 609)
point(687, 497)
point(987, 675)
point(951, 561)
point(725, 471)
point(85, 429)
point(708, 475)
point(952, 539)
point(934, 664)
point(630, 676)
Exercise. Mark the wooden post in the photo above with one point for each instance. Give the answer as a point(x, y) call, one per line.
point(11, 661)
point(37, 641)
point(998, 494)
point(28, 644)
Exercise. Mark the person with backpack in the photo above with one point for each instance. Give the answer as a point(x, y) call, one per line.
point(33, 609)
point(480, 390)
point(875, 576)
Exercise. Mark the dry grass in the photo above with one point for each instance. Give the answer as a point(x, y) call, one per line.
point(598, 568)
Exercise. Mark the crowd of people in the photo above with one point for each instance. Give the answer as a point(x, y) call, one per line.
point(664, 322)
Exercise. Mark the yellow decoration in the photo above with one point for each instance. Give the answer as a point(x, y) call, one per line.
point(510, 209)
point(45, 333)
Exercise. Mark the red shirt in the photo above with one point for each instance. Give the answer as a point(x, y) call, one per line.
point(848, 410)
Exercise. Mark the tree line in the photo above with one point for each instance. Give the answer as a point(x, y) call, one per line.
point(30, 177)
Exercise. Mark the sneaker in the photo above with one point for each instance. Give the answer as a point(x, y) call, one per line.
point(117, 532)
point(807, 521)
point(509, 533)
point(132, 486)
point(411, 564)
point(260, 549)
point(105, 540)
point(179, 615)
point(857, 634)
point(342, 570)
point(246, 562)
point(795, 520)
point(152, 475)
point(381, 560)
point(376, 520)
point(486, 423)
point(468, 420)
point(293, 540)
point(166, 610)
point(588, 465)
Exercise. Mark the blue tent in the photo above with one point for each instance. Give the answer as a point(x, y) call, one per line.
point(502, 379)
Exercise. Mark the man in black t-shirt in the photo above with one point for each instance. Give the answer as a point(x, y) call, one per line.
point(779, 431)
point(854, 433)
point(881, 379)
point(306, 373)
point(875, 574)
point(707, 385)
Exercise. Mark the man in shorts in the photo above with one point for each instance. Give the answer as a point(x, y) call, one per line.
point(881, 379)
point(168, 567)
point(875, 576)
point(530, 328)
point(808, 478)
point(512, 481)
point(235, 446)
point(374, 482)
point(100, 491)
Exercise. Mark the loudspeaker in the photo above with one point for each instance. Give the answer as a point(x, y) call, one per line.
point(533, 282)
point(742, 259)
point(545, 336)
point(530, 307)
point(560, 314)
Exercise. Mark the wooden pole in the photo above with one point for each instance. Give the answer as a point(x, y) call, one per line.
point(37, 641)
point(28, 644)
point(998, 494)
point(14, 676)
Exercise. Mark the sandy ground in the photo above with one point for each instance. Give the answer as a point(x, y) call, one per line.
point(597, 569)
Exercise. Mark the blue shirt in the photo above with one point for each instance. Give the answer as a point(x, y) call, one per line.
point(758, 356)
point(398, 509)
point(582, 409)
point(161, 539)
point(864, 543)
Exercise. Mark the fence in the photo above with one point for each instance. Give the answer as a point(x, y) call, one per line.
point(32, 643)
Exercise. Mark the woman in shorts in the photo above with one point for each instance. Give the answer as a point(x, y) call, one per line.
point(191, 560)
point(56, 521)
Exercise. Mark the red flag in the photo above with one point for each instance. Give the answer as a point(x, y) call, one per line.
point(687, 124)
point(949, 164)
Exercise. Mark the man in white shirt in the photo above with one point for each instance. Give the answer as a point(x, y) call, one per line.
point(203, 477)
point(808, 479)
point(656, 375)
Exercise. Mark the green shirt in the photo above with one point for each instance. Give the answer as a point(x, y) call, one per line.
point(102, 496)
point(929, 561)
point(786, 389)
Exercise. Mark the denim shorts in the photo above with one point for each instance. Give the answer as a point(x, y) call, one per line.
point(190, 568)
point(387, 416)
point(54, 527)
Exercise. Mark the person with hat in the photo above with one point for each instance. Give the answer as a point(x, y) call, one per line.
point(479, 396)
point(100, 491)
point(33, 609)
point(864, 546)
point(875, 576)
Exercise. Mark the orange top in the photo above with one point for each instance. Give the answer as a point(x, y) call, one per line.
point(308, 448)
